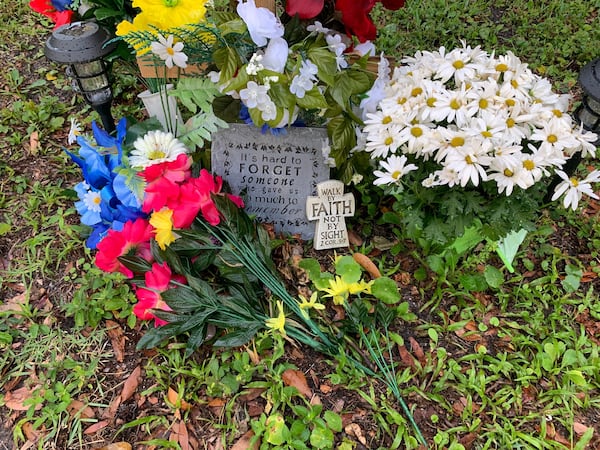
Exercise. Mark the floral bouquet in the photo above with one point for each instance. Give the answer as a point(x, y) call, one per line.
point(462, 135)
point(60, 12)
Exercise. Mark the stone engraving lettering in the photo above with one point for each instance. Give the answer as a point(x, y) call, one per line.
point(274, 174)
point(329, 208)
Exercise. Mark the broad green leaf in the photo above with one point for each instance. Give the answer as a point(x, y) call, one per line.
point(469, 239)
point(334, 421)
point(312, 99)
point(386, 290)
point(473, 282)
point(321, 437)
point(576, 376)
point(4, 228)
point(277, 432)
point(493, 277)
point(508, 247)
point(348, 269)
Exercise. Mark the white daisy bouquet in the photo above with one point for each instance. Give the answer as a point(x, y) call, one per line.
point(462, 135)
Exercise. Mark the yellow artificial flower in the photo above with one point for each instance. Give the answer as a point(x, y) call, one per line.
point(312, 303)
point(277, 323)
point(172, 13)
point(338, 290)
point(163, 227)
point(361, 286)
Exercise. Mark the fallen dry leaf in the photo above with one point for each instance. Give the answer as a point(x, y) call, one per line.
point(179, 434)
point(251, 394)
point(111, 411)
point(406, 357)
point(96, 427)
point(84, 411)
point(117, 446)
point(34, 143)
point(297, 379)
point(580, 428)
point(243, 443)
point(325, 388)
point(174, 399)
point(366, 263)
point(117, 339)
point(353, 429)
point(15, 399)
point(417, 350)
point(14, 304)
point(131, 384)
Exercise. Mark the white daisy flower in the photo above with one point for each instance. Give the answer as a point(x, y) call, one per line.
point(170, 53)
point(396, 168)
point(470, 162)
point(74, 131)
point(573, 189)
point(155, 147)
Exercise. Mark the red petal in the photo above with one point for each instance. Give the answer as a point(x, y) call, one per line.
point(355, 16)
point(392, 4)
point(306, 9)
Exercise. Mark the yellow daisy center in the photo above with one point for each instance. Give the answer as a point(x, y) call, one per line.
point(97, 200)
point(552, 138)
point(528, 164)
point(458, 64)
point(396, 174)
point(458, 141)
point(510, 122)
point(170, 51)
point(416, 131)
point(486, 134)
point(557, 112)
point(501, 67)
point(574, 182)
point(386, 120)
point(431, 101)
point(510, 102)
point(514, 83)
point(388, 140)
point(416, 91)
point(508, 173)
point(483, 103)
point(468, 159)
point(455, 104)
point(156, 154)
point(402, 100)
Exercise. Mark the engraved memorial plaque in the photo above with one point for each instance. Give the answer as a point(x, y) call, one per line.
point(274, 174)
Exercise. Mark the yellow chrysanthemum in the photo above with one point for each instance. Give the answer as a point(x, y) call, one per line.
point(173, 13)
point(277, 323)
point(338, 290)
point(163, 227)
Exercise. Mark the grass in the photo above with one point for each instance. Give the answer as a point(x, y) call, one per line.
point(512, 365)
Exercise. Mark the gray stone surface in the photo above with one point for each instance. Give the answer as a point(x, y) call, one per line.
point(274, 174)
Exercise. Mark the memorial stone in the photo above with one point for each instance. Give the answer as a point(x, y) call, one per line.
point(273, 174)
point(329, 208)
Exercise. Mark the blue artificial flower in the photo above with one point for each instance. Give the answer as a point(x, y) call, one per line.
point(124, 193)
point(61, 5)
point(89, 204)
point(105, 140)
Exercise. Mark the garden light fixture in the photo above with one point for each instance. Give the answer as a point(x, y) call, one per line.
point(83, 45)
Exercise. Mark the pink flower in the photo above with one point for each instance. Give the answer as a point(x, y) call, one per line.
point(306, 9)
point(163, 182)
point(158, 280)
point(132, 240)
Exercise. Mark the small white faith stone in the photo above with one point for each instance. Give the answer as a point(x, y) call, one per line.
point(329, 208)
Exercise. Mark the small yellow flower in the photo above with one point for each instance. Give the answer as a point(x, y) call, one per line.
point(338, 290)
point(312, 303)
point(361, 286)
point(277, 323)
point(163, 227)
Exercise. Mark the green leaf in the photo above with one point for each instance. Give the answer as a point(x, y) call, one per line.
point(508, 247)
point(312, 99)
point(334, 421)
point(473, 282)
point(582, 444)
point(493, 277)
point(4, 228)
point(469, 239)
point(228, 62)
point(277, 432)
point(238, 337)
point(349, 83)
point(324, 59)
point(386, 290)
point(341, 132)
point(575, 376)
point(321, 437)
point(348, 269)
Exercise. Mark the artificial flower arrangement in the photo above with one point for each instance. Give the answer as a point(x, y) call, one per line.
point(462, 135)
point(60, 12)
point(269, 74)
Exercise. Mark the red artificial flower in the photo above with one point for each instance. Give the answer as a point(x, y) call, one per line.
point(163, 182)
point(158, 280)
point(306, 9)
point(45, 7)
point(132, 240)
point(355, 16)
